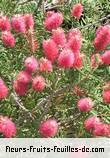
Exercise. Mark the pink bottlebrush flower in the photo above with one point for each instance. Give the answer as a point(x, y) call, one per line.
point(18, 23)
point(45, 65)
point(77, 10)
point(38, 83)
point(53, 20)
point(48, 128)
point(78, 63)
point(96, 60)
point(7, 127)
point(91, 122)
point(101, 130)
point(102, 38)
point(50, 49)
point(20, 88)
point(85, 104)
point(106, 96)
point(5, 23)
point(31, 64)
point(3, 90)
point(59, 37)
point(8, 39)
point(106, 57)
point(66, 58)
point(75, 44)
point(29, 21)
point(23, 77)
point(74, 32)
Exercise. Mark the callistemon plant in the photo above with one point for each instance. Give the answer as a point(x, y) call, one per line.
point(54, 69)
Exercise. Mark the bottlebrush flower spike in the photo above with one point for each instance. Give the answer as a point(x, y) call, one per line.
point(59, 37)
point(7, 127)
point(77, 10)
point(74, 32)
point(38, 83)
point(18, 23)
point(91, 122)
point(85, 104)
point(96, 60)
point(23, 77)
point(31, 64)
point(45, 65)
point(20, 88)
point(106, 57)
point(53, 20)
point(102, 38)
point(78, 63)
point(48, 128)
point(31, 39)
point(101, 130)
point(5, 23)
point(66, 58)
point(8, 39)
point(106, 96)
point(50, 49)
point(75, 44)
point(3, 90)
point(29, 21)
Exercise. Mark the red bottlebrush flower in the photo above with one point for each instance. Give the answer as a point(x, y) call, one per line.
point(106, 96)
point(7, 127)
point(106, 57)
point(23, 77)
point(75, 44)
point(102, 38)
point(3, 90)
point(20, 88)
point(96, 60)
point(85, 104)
point(31, 39)
point(50, 49)
point(45, 65)
point(48, 128)
point(29, 21)
point(8, 39)
point(101, 130)
point(38, 83)
point(59, 37)
point(31, 64)
point(78, 63)
point(77, 10)
point(66, 58)
point(18, 23)
point(53, 20)
point(5, 23)
point(91, 122)
point(74, 32)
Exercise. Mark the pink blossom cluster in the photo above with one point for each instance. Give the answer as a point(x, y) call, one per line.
point(97, 127)
point(24, 78)
point(48, 128)
point(77, 10)
point(61, 47)
point(3, 90)
point(7, 127)
point(20, 23)
point(102, 39)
